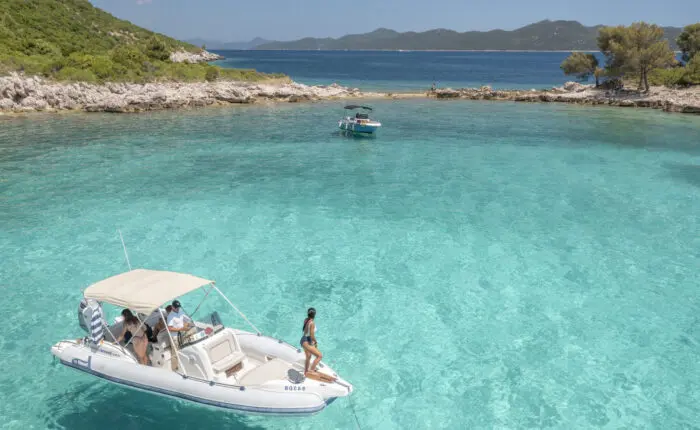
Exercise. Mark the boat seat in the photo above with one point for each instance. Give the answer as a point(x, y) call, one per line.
point(227, 362)
point(224, 352)
point(274, 369)
point(162, 341)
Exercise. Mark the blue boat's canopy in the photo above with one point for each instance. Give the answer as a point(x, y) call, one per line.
point(357, 107)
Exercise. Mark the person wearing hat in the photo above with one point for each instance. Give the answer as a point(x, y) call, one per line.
point(177, 320)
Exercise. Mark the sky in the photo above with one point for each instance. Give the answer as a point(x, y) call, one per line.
point(235, 20)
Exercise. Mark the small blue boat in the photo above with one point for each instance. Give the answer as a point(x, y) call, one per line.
point(360, 123)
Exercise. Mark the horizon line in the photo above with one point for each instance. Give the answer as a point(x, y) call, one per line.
point(428, 30)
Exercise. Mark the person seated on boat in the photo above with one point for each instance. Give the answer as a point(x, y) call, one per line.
point(160, 325)
point(177, 320)
point(138, 335)
point(309, 343)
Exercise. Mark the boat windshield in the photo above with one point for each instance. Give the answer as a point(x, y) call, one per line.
point(204, 327)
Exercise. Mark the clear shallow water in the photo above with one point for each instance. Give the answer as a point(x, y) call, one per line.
point(407, 71)
point(493, 265)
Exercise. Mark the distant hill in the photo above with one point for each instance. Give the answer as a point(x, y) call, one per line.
point(223, 46)
point(541, 36)
point(75, 41)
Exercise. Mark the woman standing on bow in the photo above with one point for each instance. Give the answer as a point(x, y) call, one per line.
point(309, 343)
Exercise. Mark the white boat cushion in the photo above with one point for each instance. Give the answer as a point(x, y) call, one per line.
point(274, 369)
point(228, 362)
point(163, 341)
point(224, 352)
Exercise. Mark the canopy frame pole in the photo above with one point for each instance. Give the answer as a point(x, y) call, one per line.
point(125, 253)
point(237, 310)
point(200, 303)
point(114, 339)
point(172, 343)
point(107, 330)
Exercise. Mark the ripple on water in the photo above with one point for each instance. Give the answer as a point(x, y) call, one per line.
point(511, 266)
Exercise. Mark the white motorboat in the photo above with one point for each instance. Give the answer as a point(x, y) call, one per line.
point(214, 365)
point(361, 123)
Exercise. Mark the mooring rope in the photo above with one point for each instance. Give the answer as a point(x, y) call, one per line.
point(354, 414)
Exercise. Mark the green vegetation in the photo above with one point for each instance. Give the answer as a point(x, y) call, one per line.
point(641, 52)
point(583, 66)
point(681, 76)
point(689, 41)
point(637, 50)
point(74, 41)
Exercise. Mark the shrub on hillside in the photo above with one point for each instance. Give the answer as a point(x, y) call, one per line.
point(40, 47)
point(103, 67)
point(128, 56)
point(157, 49)
point(212, 74)
point(76, 75)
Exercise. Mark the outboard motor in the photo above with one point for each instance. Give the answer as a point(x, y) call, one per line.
point(85, 311)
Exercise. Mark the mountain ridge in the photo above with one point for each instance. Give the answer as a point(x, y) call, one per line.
point(217, 44)
point(544, 35)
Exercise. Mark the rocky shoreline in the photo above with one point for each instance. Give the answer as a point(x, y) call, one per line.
point(685, 100)
point(33, 94)
point(19, 94)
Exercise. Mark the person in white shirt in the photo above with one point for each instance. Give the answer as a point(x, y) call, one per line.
point(177, 320)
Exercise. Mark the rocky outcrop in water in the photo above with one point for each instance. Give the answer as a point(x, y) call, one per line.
point(684, 100)
point(194, 57)
point(26, 94)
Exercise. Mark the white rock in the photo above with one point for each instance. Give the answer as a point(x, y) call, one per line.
point(34, 103)
point(6, 104)
point(194, 57)
point(575, 87)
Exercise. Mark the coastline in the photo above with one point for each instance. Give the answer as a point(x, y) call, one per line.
point(566, 51)
point(681, 100)
point(411, 50)
point(22, 94)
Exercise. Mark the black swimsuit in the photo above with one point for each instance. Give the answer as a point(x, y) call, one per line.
point(306, 337)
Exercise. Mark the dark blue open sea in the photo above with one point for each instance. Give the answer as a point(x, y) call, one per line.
point(408, 71)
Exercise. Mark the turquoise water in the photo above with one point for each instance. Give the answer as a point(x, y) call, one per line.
point(476, 265)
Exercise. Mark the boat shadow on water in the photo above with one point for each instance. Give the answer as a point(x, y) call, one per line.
point(98, 405)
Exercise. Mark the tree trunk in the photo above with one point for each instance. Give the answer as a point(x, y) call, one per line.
point(597, 84)
point(640, 87)
point(646, 81)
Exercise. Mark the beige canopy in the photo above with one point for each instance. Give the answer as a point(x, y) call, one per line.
point(144, 290)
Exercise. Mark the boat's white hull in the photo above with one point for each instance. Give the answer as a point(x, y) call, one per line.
point(276, 397)
point(366, 127)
